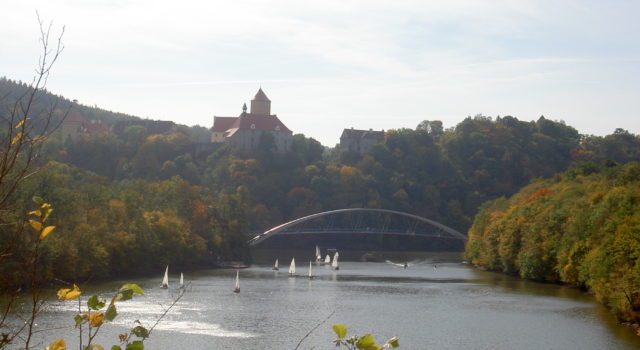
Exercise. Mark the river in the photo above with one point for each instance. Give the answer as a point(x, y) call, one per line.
point(436, 303)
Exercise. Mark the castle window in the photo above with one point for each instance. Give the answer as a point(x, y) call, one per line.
point(253, 126)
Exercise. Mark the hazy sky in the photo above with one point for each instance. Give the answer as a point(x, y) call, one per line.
point(329, 65)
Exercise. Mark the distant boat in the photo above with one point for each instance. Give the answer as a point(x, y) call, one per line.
point(310, 275)
point(327, 259)
point(165, 279)
point(181, 280)
point(275, 266)
point(334, 263)
point(318, 254)
point(237, 288)
point(404, 266)
point(292, 267)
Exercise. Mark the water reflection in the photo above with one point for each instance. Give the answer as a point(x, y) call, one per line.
point(452, 306)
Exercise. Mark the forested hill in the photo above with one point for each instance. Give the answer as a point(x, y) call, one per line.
point(162, 194)
point(581, 227)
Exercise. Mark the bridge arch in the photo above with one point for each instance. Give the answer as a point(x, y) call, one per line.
point(439, 230)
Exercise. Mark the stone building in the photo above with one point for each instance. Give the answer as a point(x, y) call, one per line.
point(360, 141)
point(245, 131)
point(74, 125)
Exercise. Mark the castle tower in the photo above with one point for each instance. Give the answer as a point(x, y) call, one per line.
point(71, 126)
point(260, 104)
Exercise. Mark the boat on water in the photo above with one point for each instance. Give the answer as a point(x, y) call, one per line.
point(165, 279)
point(334, 262)
point(318, 254)
point(237, 287)
point(311, 276)
point(292, 267)
point(275, 266)
point(181, 281)
point(327, 259)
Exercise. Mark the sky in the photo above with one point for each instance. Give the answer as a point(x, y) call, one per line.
point(329, 65)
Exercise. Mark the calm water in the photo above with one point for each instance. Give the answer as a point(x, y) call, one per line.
point(452, 306)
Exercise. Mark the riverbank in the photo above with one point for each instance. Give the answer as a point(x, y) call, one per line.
point(579, 229)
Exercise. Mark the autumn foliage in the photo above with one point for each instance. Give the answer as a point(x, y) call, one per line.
point(581, 227)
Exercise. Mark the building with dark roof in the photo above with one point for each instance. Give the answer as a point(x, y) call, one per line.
point(245, 131)
point(360, 141)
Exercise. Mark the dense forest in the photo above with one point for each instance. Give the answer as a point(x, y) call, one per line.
point(149, 193)
point(580, 227)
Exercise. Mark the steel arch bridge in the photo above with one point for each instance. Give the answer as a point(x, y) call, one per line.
point(362, 221)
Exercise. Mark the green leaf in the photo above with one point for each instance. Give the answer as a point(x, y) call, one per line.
point(134, 287)
point(136, 345)
point(116, 347)
point(393, 342)
point(140, 332)
point(37, 199)
point(124, 294)
point(80, 318)
point(366, 342)
point(111, 312)
point(340, 329)
point(94, 303)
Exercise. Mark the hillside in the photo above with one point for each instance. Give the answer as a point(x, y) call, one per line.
point(140, 178)
point(581, 227)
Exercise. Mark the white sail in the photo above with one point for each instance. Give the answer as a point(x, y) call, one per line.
point(181, 280)
point(310, 275)
point(334, 263)
point(318, 254)
point(327, 259)
point(275, 266)
point(237, 287)
point(292, 267)
point(165, 279)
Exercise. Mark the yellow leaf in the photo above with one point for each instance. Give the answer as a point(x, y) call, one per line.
point(57, 345)
point(47, 230)
point(35, 224)
point(96, 319)
point(16, 138)
point(20, 123)
point(69, 294)
point(35, 212)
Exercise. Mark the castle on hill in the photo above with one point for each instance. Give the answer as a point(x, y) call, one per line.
point(245, 130)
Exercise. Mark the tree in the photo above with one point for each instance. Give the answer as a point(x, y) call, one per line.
point(25, 131)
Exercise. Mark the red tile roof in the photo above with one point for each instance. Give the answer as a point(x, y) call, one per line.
point(95, 127)
point(74, 117)
point(260, 122)
point(246, 120)
point(222, 124)
point(260, 96)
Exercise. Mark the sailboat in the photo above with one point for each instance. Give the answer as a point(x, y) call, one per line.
point(237, 288)
point(292, 267)
point(327, 260)
point(165, 279)
point(181, 281)
point(318, 254)
point(275, 266)
point(310, 275)
point(334, 263)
